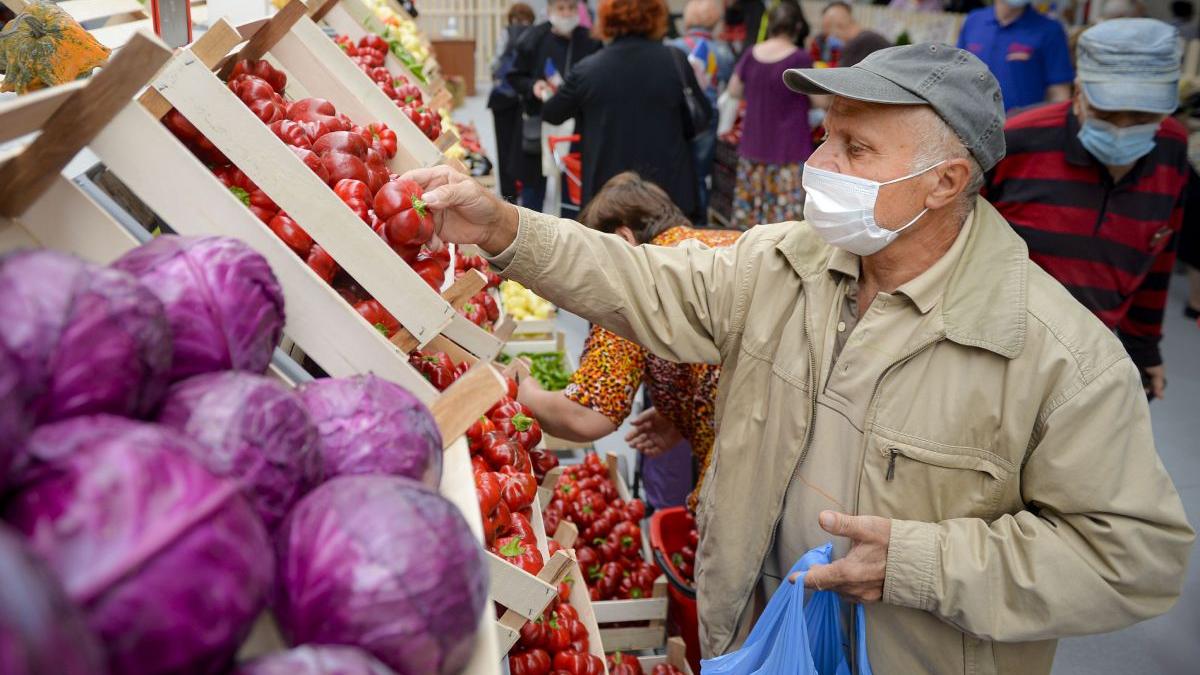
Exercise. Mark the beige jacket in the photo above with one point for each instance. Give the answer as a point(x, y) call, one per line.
point(1033, 505)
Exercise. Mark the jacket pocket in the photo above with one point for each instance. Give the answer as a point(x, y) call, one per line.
point(931, 482)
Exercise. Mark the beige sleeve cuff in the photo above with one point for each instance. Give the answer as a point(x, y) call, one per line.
point(912, 565)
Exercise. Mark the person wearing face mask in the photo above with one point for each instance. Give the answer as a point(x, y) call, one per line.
point(1095, 186)
point(545, 54)
point(897, 376)
point(1026, 51)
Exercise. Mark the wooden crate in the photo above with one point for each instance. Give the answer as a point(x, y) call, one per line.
point(316, 65)
point(652, 610)
point(354, 19)
point(41, 208)
point(676, 656)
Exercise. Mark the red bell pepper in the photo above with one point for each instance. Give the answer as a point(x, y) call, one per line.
point(312, 161)
point(430, 271)
point(666, 669)
point(474, 313)
point(627, 538)
point(292, 133)
point(516, 420)
point(576, 663)
point(356, 195)
point(520, 553)
point(556, 636)
point(373, 41)
point(408, 223)
point(322, 263)
point(377, 316)
point(258, 95)
point(381, 138)
point(437, 368)
point(191, 137)
point(318, 112)
point(518, 489)
point(341, 141)
point(477, 430)
point(624, 663)
point(587, 507)
point(532, 662)
point(543, 463)
point(261, 69)
point(296, 238)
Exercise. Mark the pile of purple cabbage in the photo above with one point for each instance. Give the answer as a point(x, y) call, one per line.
point(159, 491)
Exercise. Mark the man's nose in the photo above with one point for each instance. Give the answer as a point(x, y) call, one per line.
point(824, 158)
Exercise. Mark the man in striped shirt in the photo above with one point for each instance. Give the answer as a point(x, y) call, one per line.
point(1095, 185)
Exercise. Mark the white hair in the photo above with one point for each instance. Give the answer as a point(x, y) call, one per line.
point(937, 143)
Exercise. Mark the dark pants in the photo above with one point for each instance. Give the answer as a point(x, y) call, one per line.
point(533, 194)
point(507, 122)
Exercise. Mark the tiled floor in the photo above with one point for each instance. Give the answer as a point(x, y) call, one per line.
point(1164, 645)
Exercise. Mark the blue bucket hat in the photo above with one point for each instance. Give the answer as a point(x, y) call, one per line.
point(1130, 64)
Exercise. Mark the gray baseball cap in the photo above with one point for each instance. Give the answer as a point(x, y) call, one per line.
point(956, 84)
point(1130, 64)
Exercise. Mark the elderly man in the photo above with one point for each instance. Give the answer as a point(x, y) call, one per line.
point(897, 375)
point(1095, 186)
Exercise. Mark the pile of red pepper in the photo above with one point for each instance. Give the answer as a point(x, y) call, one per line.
point(370, 54)
point(482, 309)
point(610, 535)
point(684, 559)
point(465, 263)
point(350, 159)
point(555, 643)
point(623, 663)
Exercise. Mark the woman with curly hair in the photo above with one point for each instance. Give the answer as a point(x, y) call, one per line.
point(629, 106)
point(601, 392)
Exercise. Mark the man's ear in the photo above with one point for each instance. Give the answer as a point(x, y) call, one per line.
point(626, 233)
point(953, 177)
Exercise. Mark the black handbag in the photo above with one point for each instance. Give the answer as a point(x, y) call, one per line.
point(698, 117)
point(531, 134)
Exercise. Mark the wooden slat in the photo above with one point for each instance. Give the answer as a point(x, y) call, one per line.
point(464, 401)
point(317, 9)
point(644, 609)
point(632, 639)
point(210, 48)
point(26, 114)
point(77, 120)
point(68, 220)
point(557, 568)
point(566, 534)
point(265, 38)
point(518, 590)
point(457, 295)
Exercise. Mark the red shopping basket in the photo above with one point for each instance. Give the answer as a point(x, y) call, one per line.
point(668, 533)
point(571, 164)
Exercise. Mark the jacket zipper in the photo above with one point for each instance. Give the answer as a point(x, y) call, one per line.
point(808, 435)
point(863, 466)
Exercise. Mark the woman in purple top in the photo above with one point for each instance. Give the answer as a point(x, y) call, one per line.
point(776, 138)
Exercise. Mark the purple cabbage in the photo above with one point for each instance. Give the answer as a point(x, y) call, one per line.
point(385, 564)
point(316, 660)
point(223, 303)
point(85, 339)
point(170, 563)
point(255, 430)
point(40, 630)
point(15, 420)
point(368, 425)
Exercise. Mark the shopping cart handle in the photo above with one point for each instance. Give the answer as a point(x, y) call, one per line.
point(555, 140)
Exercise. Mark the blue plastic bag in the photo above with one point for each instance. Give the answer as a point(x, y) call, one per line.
point(794, 638)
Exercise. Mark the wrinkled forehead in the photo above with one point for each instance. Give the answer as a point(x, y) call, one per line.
point(847, 114)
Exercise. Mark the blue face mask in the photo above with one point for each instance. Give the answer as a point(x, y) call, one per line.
point(834, 42)
point(1117, 146)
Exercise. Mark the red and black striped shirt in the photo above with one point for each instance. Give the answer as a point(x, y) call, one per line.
point(1111, 244)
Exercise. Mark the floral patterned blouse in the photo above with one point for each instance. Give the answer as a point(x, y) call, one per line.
point(611, 368)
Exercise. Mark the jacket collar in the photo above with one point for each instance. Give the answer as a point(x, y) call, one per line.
point(985, 299)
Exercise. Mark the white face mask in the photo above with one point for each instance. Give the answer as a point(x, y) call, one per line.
point(563, 25)
point(841, 209)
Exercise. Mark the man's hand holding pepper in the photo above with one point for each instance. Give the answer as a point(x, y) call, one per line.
point(465, 212)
